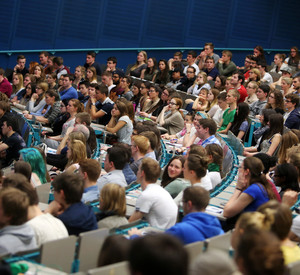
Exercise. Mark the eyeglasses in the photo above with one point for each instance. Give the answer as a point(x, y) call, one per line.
point(172, 103)
point(164, 93)
point(189, 72)
point(152, 91)
point(288, 101)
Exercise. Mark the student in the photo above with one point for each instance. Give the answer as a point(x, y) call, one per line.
point(196, 224)
point(67, 205)
point(228, 116)
point(90, 170)
point(139, 148)
point(46, 227)
point(15, 234)
point(155, 203)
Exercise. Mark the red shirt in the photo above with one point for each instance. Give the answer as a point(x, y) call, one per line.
point(243, 93)
point(5, 87)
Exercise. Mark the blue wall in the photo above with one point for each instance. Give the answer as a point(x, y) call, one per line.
point(78, 24)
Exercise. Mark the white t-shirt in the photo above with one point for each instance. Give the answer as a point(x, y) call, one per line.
point(124, 134)
point(193, 65)
point(267, 78)
point(47, 228)
point(158, 205)
point(215, 178)
point(218, 116)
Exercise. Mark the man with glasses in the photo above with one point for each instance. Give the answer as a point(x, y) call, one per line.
point(188, 81)
point(292, 115)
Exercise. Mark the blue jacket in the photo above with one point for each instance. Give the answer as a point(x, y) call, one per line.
point(293, 120)
point(68, 94)
point(196, 226)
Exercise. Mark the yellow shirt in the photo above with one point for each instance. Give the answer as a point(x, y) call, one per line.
point(290, 254)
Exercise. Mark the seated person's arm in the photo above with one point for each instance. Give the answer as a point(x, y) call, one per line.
point(236, 204)
point(240, 134)
point(116, 128)
point(3, 146)
point(137, 215)
point(225, 131)
point(275, 142)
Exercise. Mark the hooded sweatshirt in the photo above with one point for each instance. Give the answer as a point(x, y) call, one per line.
point(196, 226)
point(15, 238)
point(78, 218)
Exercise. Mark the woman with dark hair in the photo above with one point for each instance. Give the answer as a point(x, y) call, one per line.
point(91, 75)
point(154, 103)
point(120, 124)
point(173, 122)
point(37, 102)
point(294, 57)
point(215, 166)
point(240, 124)
point(24, 101)
point(172, 178)
point(125, 84)
point(259, 53)
point(140, 94)
point(52, 99)
point(151, 71)
point(279, 63)
point(163, 76)
point(275, 102)
point(270, 140)
point(139, 65)
point(286, 177)
point(39, 73)
point(51, 80)
point(252, 189)
point(220, 83)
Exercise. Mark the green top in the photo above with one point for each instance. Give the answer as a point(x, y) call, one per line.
point(227, 118)
point(176, 186)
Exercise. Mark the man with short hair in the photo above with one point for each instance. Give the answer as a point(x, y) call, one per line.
point(114, 163)
point(206, 131)
point(225, 66)
point(90, 170)
point(111, 65)
point(191, 58)
point(262, 94)
point(210, 69)
point(90, 62)
point(208, 52)
point(223, 106)
point(68, 92)
point(237, 81)
point(15, 234)
point(265, 76)
point(176, 57)
point(67, 205)
point(60, 68)
point(159, 254)
point(292, 115)
point(12, 141)
point(252, 64)
point(296, 85)
point(117, 76)
point(83, 94)
point(139, 148)
point(154, 203)
point(20, 67)
point(101, 105)
point(46, 227)
point(5, 86)
point(43, 57)
point(106, 79)
point(196, 225)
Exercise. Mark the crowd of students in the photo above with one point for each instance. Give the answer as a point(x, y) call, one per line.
point(133, 108)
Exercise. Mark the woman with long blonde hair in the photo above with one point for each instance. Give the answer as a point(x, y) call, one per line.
point(140, 64)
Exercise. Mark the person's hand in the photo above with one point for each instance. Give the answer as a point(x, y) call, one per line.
point(165, 136)
point(221, 60)
point(166, 108)
point(55, 208)
point(241, 182)
point(290, 197)
point(34, 96)
point(202, 55)
point(17, 67)
point(144, 114)
point(28, 116)
point(188, 127)
point(188, 101)
point(93, 99)
point(134, 231)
